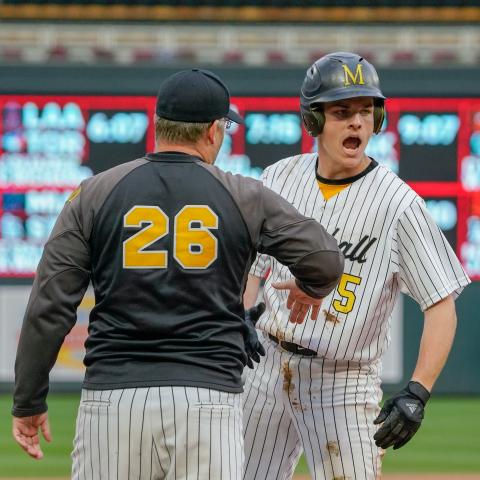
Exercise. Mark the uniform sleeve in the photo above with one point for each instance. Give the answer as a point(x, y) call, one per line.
point(278, 229)
point(428, 269)
point(60, 283)
point(300, 243)
point(262, 263)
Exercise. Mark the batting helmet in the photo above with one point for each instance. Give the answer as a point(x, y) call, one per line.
point(338, 76)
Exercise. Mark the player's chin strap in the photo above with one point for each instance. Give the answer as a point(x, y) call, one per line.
point(401, 416)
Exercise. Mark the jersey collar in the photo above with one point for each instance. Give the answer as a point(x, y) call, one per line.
point(172, 157)
point(345, 181)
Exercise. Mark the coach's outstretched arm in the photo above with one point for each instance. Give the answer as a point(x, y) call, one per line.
point(278, 229)
point(403, 413)
point(306, 248)
point(301, 244)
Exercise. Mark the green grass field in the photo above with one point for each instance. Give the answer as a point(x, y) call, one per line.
point(449, 441)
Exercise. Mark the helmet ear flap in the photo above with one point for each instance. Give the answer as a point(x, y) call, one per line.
point(319, 117)
point(378, 117)
point(314, 120)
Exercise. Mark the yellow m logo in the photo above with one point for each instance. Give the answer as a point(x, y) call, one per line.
point(356, 79)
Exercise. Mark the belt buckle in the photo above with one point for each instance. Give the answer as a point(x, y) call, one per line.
point(306, 352)
point(293, 347)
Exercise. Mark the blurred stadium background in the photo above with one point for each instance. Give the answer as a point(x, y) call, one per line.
point(77, 88)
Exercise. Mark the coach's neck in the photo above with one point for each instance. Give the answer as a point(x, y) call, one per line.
point(188, 149)
point(206, 147)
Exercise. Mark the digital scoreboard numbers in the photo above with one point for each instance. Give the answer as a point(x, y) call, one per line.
point(272, 131)
point(49, 144)
point(470, 181)
point(428, 146)
point(438, 147)
point(115, 137)
point(434, 145)
point(271, 136)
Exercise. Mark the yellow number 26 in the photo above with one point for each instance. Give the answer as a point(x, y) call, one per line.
point(194, 246)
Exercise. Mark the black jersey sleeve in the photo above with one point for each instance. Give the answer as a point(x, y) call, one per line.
point(61, 280)
point(60, 283)
point(278, 229)
point(300, 243)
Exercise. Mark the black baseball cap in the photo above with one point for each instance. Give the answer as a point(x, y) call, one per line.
point(195, 96)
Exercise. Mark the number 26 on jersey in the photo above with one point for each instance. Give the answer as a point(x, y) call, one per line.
point(194, 245)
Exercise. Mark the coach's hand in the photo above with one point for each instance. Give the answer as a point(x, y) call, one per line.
point(401, 416)
point(298, 302)
point(25, 433)
point(253, 347)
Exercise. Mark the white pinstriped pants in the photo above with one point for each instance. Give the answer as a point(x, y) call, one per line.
point(159, 433)
point(324, 408)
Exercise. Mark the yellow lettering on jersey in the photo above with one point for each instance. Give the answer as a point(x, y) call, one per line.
point(194, 245)
point(345, 304)
point(350, 76)
point(134, 254)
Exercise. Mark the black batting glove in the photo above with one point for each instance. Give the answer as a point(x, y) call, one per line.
point(401, 416)
point(253, 347)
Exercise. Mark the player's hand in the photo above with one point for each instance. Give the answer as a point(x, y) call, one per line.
point(298, 302)
point(253, 347)
point(401, 416)
point(25, 433)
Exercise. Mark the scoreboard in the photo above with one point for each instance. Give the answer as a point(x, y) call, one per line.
point(49, 144)
point(437, 145)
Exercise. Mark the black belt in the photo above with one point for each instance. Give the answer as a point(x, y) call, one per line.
point(293, 347)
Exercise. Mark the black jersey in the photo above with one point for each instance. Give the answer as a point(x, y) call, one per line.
point(167, 242)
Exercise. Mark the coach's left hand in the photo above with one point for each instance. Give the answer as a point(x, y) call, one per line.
point(253, 347)
point(298, 302)
point(401, 416)
point(25, 432)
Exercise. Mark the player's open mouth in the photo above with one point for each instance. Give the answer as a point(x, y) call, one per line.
point(351, 144)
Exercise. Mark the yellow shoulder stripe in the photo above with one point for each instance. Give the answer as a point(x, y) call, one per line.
point(74, 194)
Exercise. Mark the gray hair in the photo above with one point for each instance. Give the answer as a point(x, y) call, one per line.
point(179, 132)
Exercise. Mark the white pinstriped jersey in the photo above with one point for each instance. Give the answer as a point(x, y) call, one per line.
point(390, 243)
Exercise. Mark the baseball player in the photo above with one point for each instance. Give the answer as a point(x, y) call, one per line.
point(167, 241)
point(318, 388)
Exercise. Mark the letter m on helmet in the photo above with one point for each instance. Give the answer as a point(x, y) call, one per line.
point(356, 79)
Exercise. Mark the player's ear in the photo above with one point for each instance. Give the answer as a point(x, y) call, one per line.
point(213, 131)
